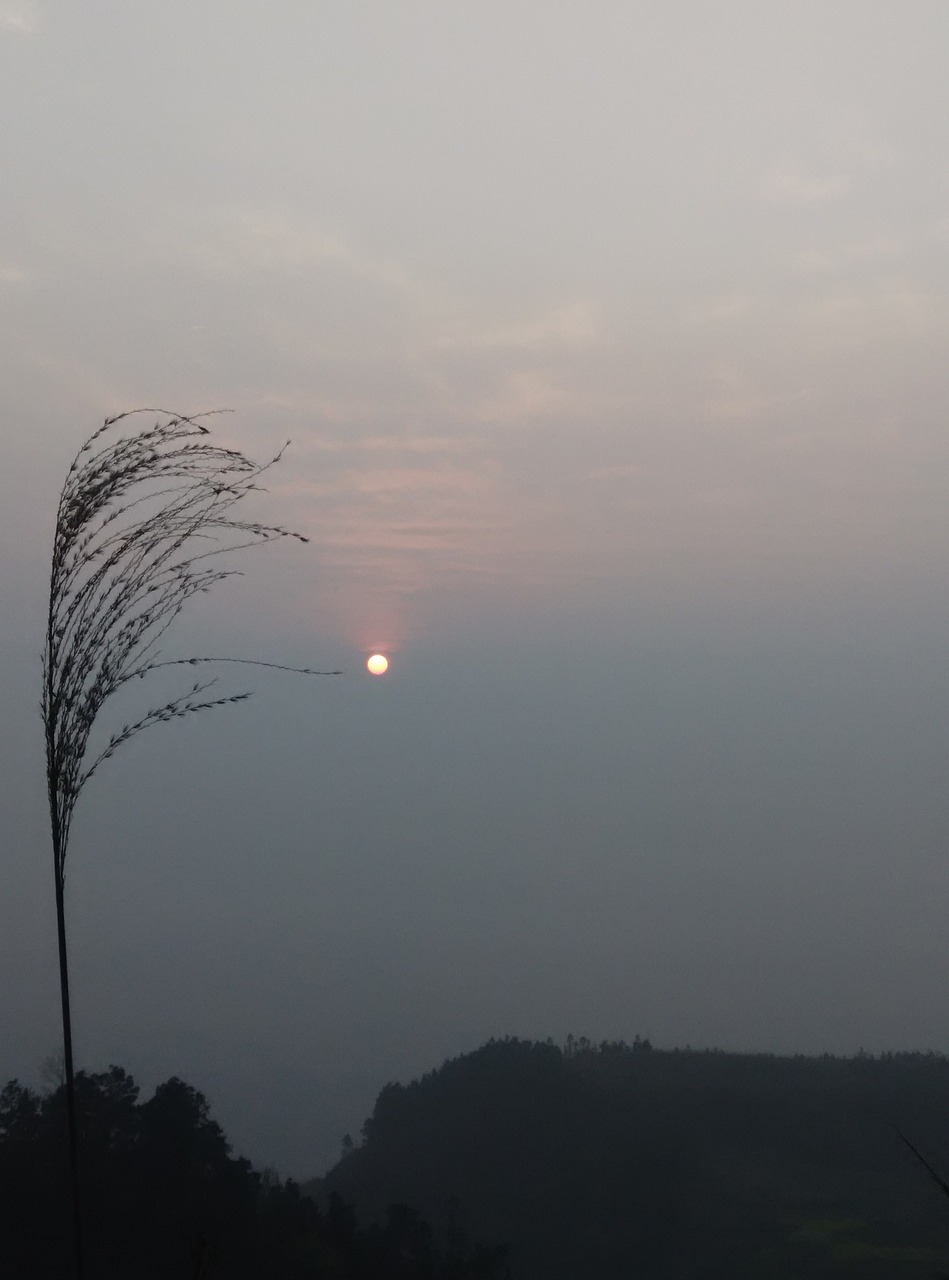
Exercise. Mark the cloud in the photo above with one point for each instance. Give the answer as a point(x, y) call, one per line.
point(712, 312)
point(791, 186)
point(620, 473)
point(572, 325)
point(381, 500)
point(427, 445)
point(867, 250)
point(897, 310)
point(735, 396)
point(425, 421)
point(387, 529)
point(20, 18)
point(10, 274)
point(523, 395)
point(236, 239)
point(874, 247)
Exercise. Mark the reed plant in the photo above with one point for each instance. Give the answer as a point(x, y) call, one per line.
point(144, 514)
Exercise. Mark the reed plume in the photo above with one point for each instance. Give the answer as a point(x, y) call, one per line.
point(141, 517)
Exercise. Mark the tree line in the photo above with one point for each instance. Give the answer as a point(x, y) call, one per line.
point(164, 1197)
point(616, 1161)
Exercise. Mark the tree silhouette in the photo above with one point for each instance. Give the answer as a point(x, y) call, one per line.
point(141, 517)
point(166, 1196)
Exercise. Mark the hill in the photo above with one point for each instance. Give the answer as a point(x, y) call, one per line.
point(163, 1196)
point(623, 1161)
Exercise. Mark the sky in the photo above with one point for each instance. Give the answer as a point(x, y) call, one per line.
point(610, 340)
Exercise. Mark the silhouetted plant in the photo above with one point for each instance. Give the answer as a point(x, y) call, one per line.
point(135, 518)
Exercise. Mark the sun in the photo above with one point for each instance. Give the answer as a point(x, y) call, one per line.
point(378, 664)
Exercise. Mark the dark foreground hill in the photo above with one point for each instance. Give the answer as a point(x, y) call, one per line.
point(622, 1161)
point(163, 1198)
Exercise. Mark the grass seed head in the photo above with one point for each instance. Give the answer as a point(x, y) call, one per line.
point(139, 516)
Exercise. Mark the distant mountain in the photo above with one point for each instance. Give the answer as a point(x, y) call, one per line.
point(620, 1161)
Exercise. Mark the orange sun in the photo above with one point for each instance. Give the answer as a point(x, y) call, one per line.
point(378, 664)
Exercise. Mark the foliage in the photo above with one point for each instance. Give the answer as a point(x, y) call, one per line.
point(620, 1160)
point(165, 1197)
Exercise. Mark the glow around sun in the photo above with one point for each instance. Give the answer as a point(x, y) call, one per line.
point(378, 664)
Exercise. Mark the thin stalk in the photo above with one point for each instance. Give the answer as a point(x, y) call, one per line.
point(129, 552)
point(69, 1072)
point(70, 1075)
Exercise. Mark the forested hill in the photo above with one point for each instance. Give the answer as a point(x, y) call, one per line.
point(163, 1197)
point(622, 1160)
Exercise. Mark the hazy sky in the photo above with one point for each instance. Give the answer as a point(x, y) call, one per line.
point(611, 338)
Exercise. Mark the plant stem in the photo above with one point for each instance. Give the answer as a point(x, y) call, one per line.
point(67, 1053)
point(133, 525)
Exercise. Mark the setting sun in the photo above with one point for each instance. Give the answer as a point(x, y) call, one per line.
point(378, 664)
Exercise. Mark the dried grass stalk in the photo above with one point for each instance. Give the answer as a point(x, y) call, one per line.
point(142, 516)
